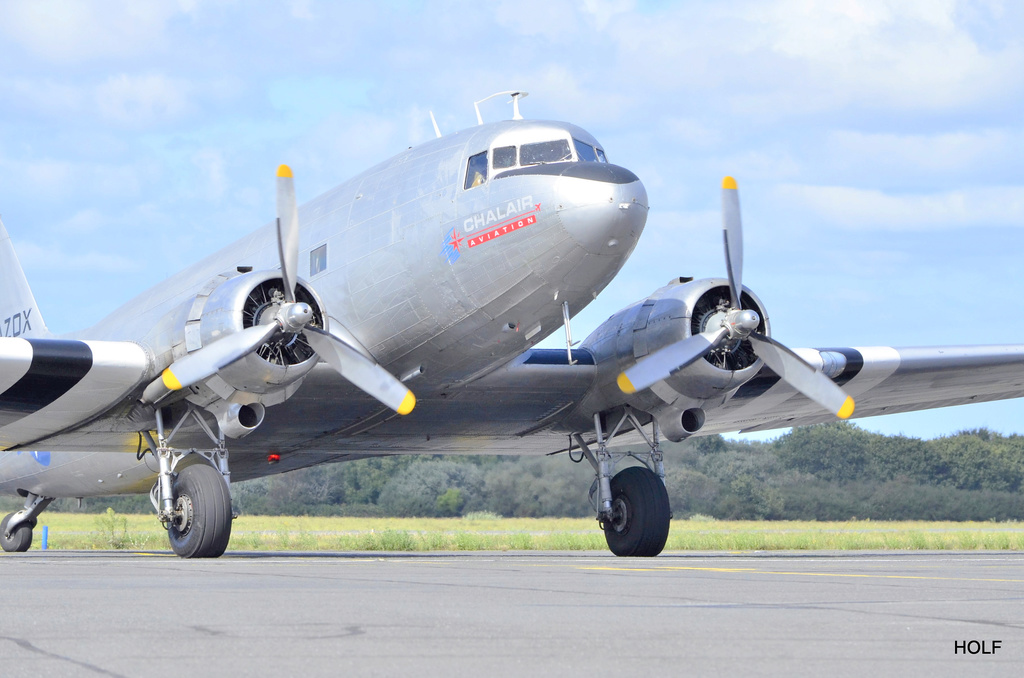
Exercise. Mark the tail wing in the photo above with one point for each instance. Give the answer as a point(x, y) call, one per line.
point(19, 315)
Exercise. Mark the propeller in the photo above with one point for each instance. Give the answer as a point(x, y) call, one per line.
point(732, 233)
point(738, 324)
point(292, 317)
point(367, 375)
point(287, 230)
point(197, 366)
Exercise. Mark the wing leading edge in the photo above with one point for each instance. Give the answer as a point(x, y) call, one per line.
point(49, 385)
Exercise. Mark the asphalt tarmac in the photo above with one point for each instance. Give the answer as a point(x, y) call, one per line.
point(524, 614)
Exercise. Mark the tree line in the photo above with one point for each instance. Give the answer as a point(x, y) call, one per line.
point(833, 471)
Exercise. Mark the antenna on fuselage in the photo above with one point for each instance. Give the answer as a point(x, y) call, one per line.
point(437, 130)
point(516, 96)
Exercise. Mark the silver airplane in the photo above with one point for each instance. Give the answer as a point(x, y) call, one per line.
point(436, 270)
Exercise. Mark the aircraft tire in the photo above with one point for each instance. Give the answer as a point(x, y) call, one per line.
point(201, 492)
point(20, 540)
point(642, 514)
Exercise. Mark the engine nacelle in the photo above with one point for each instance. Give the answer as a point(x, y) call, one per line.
point(675, 312)
point(241, 302)
point(682, 310)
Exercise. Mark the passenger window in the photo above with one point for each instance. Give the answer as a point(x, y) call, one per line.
point(504, 157)
point(318, 260)
point(584, 151)
point(476, 172)
point(545, 151)
point(600, 155)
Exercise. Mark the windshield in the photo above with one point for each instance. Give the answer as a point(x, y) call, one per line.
point(505, 156)
point(585, 151)
point(545, 151)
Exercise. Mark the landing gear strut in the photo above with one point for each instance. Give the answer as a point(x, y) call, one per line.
point(194, 504)
point(632, 506)
point(16, 528)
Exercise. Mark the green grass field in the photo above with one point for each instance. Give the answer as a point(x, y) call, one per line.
point(490, 533)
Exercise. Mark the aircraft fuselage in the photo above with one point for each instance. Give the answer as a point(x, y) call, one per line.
point(433, 263)
point(425, 272)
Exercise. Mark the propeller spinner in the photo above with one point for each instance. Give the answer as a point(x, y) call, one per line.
point(292, 317)
point(736, 325)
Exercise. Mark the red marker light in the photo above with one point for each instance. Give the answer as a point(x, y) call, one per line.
point(273, 458)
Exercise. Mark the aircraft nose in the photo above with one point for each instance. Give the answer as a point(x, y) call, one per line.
point(603, 207)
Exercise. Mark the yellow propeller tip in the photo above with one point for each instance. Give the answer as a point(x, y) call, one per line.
point(171, 381)
point(408, 402)
point(284, 171)
point(625, 384)
point(729, 182)
point(846, 410)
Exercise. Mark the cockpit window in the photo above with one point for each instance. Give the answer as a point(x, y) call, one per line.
point(600, 155)
point(504, 157)
point(584, 150)
point(545, 151)
point(476, 170)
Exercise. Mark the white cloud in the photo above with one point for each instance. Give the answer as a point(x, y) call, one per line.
point(853, 266)
point(212, 177)
point(44, 96)
point(552, 19)
point(300, 9)
point(798, 56)
point(886, 53)
point(692, 132)
point(954, 151)
point(602, 11)
point(69, 31)
point(772, 162)
point(341, 146)
point(83, 222)
point(42, 258)
point(63, 180)
point(124, 100)
point(867, 210)
point(142, 100)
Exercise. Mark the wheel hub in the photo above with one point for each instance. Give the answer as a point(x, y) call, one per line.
point(183, 514)
point(620, 514)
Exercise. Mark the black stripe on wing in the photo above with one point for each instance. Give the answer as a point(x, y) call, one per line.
point(765, 379)
point(57, 366)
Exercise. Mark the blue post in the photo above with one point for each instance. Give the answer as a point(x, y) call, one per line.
point(46, 536)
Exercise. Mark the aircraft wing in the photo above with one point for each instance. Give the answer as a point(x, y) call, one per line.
point(50, 385)
point(881, 380)
point(527, 406)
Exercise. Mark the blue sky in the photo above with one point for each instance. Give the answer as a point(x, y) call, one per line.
point(877, 144)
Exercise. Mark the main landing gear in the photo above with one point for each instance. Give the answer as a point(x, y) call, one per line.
point(632, 506)
point(16, 528)
point(194, 504)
